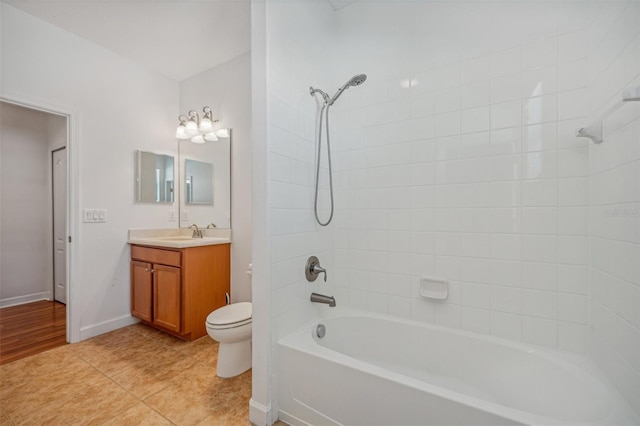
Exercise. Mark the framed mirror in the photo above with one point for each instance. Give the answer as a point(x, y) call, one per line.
point(154, 177)
point(205, 183)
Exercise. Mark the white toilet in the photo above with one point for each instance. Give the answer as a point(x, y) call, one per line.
point(231, 326)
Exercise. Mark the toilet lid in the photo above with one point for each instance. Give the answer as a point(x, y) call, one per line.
point(230, 314)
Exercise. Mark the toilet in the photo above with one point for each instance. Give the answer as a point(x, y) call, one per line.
point(231, 326)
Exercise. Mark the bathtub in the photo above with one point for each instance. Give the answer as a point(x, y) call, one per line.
point(376, 370)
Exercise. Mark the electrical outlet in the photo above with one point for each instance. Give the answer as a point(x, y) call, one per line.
point(172, 215)
point(186, 216)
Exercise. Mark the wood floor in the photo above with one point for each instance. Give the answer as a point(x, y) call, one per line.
point(30, 329)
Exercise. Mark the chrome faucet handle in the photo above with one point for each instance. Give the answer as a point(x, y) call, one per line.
point(211, 225)
point(312, 269)
point(317, 270)
point(197, 233)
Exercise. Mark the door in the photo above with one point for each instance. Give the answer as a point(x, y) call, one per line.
point(167, 300)
point(141, 290)
point(59, 192)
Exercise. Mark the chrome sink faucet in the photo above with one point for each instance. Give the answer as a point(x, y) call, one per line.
point(321, 298)
point(197, 233)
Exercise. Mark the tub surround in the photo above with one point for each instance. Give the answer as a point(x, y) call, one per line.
point(178, 237)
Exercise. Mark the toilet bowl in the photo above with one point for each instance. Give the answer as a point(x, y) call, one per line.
point(231, 327)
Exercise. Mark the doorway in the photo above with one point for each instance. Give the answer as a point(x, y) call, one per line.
point(35, 190)
point(59, 220)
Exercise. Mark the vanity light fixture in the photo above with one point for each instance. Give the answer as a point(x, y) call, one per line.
point(199, 130)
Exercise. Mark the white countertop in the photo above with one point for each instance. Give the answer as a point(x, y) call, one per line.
point(178, 238)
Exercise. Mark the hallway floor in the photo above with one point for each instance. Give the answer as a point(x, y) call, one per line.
point(31, 328)
point(131, 376)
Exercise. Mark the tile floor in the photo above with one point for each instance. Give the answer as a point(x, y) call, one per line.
point(131, 376)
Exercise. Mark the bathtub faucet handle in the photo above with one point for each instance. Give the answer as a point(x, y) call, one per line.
point(312, 269)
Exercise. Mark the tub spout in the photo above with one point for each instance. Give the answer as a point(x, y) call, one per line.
point(321, 298)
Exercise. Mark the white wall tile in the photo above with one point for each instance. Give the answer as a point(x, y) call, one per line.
point(506, 194)
point(506, 88)
point(475, 319)
point(573, 308)
point(506, 141)
point(476, 94)
point(506, 272)
point(540, 109)
point(540, 276)
point(507, 114)
point(540, 137)
point(541, 192)
point(507, 326)
point(540, 220)
point(539, 81)
point(507, 61)
point(540, 53)
point(506, 299)
point(539, 248)
point(539, 331)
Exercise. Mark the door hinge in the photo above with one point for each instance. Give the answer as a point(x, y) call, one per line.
point(69, 238)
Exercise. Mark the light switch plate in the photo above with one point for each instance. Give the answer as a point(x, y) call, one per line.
point(94, 215)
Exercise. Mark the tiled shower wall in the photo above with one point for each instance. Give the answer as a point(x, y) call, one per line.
point(614, 171)
point(293, 233)
point(468, 170)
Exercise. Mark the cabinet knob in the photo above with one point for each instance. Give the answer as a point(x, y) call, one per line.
point(146, 269)
point(153, 271)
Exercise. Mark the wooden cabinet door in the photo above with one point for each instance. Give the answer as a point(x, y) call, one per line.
point(167, 301)
point(141, 290)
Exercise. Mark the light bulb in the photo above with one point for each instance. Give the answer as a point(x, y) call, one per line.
point(222, 133)
point(192, 128)
point(181, 133)
point(210, 137)
point(197, 139)
point(206, 126)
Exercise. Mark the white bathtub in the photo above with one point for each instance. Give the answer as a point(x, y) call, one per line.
point(378, 370)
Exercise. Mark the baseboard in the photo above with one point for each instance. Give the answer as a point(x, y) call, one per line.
point(21, 300)
point(106, 326)
point(259, 415)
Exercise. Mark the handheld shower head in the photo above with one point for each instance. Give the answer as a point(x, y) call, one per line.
point(356, 80)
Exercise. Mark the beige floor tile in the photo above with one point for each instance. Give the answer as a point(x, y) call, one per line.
point(226, 417)
point(138, 415)
point(130, 376)
point(4, 418)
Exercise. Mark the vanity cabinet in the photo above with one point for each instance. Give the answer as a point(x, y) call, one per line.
point(176, 289)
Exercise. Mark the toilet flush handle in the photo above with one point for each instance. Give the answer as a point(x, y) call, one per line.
point(227, 298)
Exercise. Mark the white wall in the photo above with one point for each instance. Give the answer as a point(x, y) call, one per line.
point(227, 90)
point(26, 247)
point(117, 107)
point(614, 178)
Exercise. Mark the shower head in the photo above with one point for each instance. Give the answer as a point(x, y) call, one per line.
point(356, 80)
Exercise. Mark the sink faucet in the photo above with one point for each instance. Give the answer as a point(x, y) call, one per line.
point(197, 233)
point(321, 298)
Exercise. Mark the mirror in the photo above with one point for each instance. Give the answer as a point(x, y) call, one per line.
point(205, 183)
point(154, 178)
point(198, 179)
